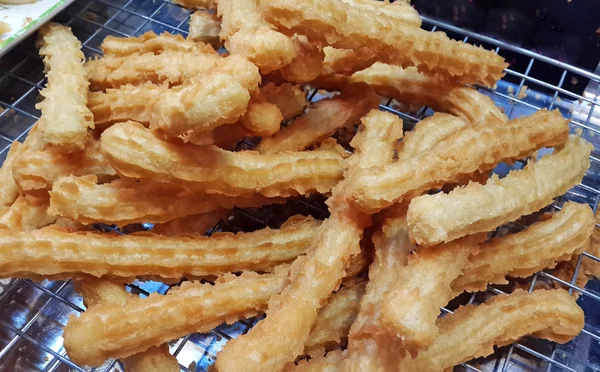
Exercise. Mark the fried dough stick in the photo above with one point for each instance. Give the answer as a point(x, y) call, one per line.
point(137, 153)
point(98, 292)
point(205, 27)
point(541, 246)
point(549, 314)
point(322, 120)
point(281, 336)
point(82, 199)
point(27, 213)
point(198, 4)
point(65, 117)
point(150, 42)
point(347, 26)
point(125, 256)
point(478, 148)
point(9, 190)
point(478, 208)
point(290, 99)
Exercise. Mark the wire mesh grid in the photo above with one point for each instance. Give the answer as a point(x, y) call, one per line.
point(32, 314)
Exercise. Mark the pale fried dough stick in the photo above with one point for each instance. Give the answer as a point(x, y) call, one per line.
point(27, 213)
point(401, 11)
point(137, 153)
point(335, 319)
point(341, 62)
point(114, 331)
point(541, 246)
point(197, 223)
point(8, 187)
point(82, 199)
point(97, 254)
point(413, 303)
point(478, 208)
point(322, 120)
point(205, 27)
point(37, 169)
point(173, 67)
point(552, 315)
point(97, 292)
point(65, 117)
point(344, 25)
point(262, 118)
point(308, 63)
point(281, 336)
point(198, 4)
point(478, 148)
point(246, 33)
point(150, 42)
point(290, 99)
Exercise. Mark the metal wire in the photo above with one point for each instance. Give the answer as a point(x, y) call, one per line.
point(91, 21)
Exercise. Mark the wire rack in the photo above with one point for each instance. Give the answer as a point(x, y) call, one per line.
point(32, 314)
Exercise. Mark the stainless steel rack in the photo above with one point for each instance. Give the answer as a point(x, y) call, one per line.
point(32, 314)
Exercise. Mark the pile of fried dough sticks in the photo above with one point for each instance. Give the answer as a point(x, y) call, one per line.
point(148, 133)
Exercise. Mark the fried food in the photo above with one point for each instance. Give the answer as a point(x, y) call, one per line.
point(114, 331)
point(205, 27)
point(262, 117)
point(97, 292)
point(126, 256)
point(138, 153)
point(38, 169)
point(65, 117)
point(478, 148)
point(332, 362)
point(308, 63)
point(322, 120)
point(541, 246)
point(246, 33)
point(27, 213)
point(400, 11)
point(347, 26)
point(196, 223)
point(290, 99)
point(8, 187)
point(171, 66)
point(335, 319)
point(198, 4)
point(479, 208)
point(412, 305)
point(280, 337)
point(552, 315)
point(150, 42)
point(84, 200)
point(341, 62)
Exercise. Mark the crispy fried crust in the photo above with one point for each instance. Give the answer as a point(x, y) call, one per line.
point(478, 208)
point(262, 118)
point(198, 4)
point(27, 213)
point(65, 117)
point(322, 120)
point(552, 315)
point(8, 187)
point(541, 246)
point(344, 25)
point(308, 63)
point(290, 99)
point(478, 148)
point(97, 254)
point(137, 153)
point(150, 42)
point(205, 27)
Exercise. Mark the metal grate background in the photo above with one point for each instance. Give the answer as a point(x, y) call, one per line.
point(32, 314)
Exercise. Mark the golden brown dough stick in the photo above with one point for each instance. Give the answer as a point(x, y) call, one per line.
point(171, 66)
point(478, 208)
point(138, 153)
point(205, 27)
point(400, 11)
point(341, 62)
point(84, 200)
point(552, 315)
point(413, 303)
point(344, 25)
point(290, 99)
point(37, 169)
point(335, 319)
point(197, 223)
point(125, 256)
point(280, 337)
point(246, 33)
point(308, 63)
point(262, 118)
point(114, 331)
point(65, 117)
point(150, 42)
point(8, 187)
point(541, 246)
point(198, 4)
point(97, 292)
point(322, 120)
point(27, 213)
point(478, 148)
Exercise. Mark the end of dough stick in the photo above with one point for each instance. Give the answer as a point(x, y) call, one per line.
point(262, 118)
point(205, 28)
point(8, 187)
point(290, 99)
point(150, 42)
point(308, 63)
point(27, 213)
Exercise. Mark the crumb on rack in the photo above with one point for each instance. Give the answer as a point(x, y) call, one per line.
point(523, 92)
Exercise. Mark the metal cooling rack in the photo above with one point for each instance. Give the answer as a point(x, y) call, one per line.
point(32, 314)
